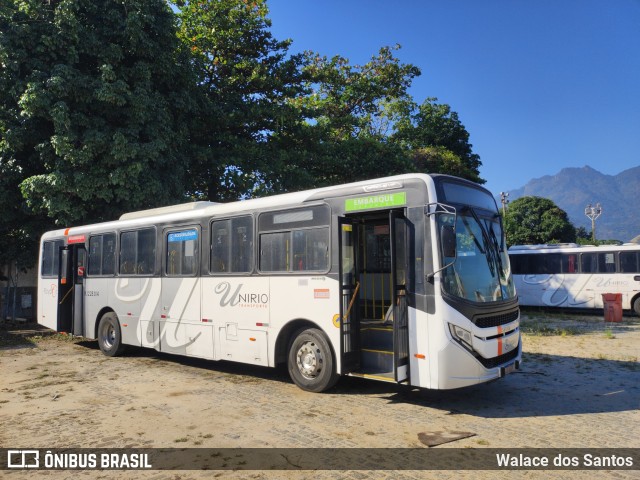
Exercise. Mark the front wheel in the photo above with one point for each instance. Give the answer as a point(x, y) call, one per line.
point(109, 335)
point(636, 306)
point(311, 364)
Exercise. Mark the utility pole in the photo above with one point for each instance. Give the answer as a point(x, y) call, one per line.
point(593, 213)
point(504, 198)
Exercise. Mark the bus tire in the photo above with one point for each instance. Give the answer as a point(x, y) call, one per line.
point(636, 306)
point(109, 335)
point(311, 364)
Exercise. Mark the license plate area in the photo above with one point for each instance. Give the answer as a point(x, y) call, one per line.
point(506, 370)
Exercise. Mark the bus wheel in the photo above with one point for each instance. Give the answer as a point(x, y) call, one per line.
point(636, 306)
point(311, 363)
point(109, 336)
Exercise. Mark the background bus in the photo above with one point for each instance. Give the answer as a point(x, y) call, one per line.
point(402, 279)
point(573, 276)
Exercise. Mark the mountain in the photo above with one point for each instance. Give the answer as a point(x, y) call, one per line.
point(572, 189)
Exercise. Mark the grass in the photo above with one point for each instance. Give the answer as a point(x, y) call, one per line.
point(543, 329)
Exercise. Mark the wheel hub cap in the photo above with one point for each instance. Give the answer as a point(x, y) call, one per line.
point(309, 360)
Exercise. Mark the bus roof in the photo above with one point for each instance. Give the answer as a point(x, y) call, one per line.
point(194, 210)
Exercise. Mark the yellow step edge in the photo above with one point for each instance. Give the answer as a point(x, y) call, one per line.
point(386, 352)
point(373, 377)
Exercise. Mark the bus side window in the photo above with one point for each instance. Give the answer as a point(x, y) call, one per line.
point(146, 258)
point(274, 252)
point(242, 245)
point(232, 245)
point(182, 252)
point(589, 263)
point(50, 254)
point(310, 249)
point(630, 262)
point(138, 252)
point(607, 262)
point(128, 253)
point(569, 263)
point(47, 259)
point(109, 254)
point(95, 255)
point(220, 246)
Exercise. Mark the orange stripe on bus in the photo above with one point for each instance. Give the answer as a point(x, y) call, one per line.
point(66, 231)
point(499, 341)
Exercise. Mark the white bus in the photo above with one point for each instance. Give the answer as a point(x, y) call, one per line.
point(366, 279)
point(573, 276)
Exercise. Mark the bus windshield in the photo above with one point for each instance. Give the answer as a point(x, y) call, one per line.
point(480, 271)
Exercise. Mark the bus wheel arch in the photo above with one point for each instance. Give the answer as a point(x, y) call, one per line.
point(311, 361)
point(635, 304)
point(110, 335)
point(101, 314)
point(284, 338)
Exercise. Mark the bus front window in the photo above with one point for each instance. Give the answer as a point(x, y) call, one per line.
point(480, 271)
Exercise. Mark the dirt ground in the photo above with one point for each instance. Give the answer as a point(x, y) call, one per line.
point(579, 387)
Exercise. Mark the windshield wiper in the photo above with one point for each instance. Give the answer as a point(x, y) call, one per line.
point(498, 248)
point(492, 252)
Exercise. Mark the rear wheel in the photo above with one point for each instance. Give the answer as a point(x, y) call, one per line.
point(109, 335)
point(636, 306)
point(311, 363)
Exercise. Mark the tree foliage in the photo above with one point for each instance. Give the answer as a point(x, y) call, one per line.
point(93, 108)
point(246, 82)
point(340, 135)
point(96, 99)
point(437, 140)
point(109, 106)
point(536, 220)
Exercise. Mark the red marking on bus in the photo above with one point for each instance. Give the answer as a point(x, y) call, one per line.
point(76, 239)
point(420, 356)
point(163, 316)
point(125, 324)
point(499, 341)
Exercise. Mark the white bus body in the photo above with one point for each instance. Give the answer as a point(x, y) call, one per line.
point(345, 280)
point(573, 276)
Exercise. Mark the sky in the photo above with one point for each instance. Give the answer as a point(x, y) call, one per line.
point(540, 85)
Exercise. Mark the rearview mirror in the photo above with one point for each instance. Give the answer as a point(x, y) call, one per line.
point(448, 239)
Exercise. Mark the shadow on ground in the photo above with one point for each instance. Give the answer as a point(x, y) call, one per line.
point(547, 385)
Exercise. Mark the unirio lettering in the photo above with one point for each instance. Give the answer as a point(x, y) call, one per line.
point(240, 298)
point(253, 298)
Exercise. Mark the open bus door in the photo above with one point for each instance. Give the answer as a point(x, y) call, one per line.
point(349, 308)
point(71, 274)
point(398, 231)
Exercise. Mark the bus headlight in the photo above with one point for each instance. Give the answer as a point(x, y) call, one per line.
point(461, 335)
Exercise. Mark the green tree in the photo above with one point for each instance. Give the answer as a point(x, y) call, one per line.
point(437, 140)
point(535, 220)
point(343, 127)
point(23, 28)
point(247, 82)
point(93, 119)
